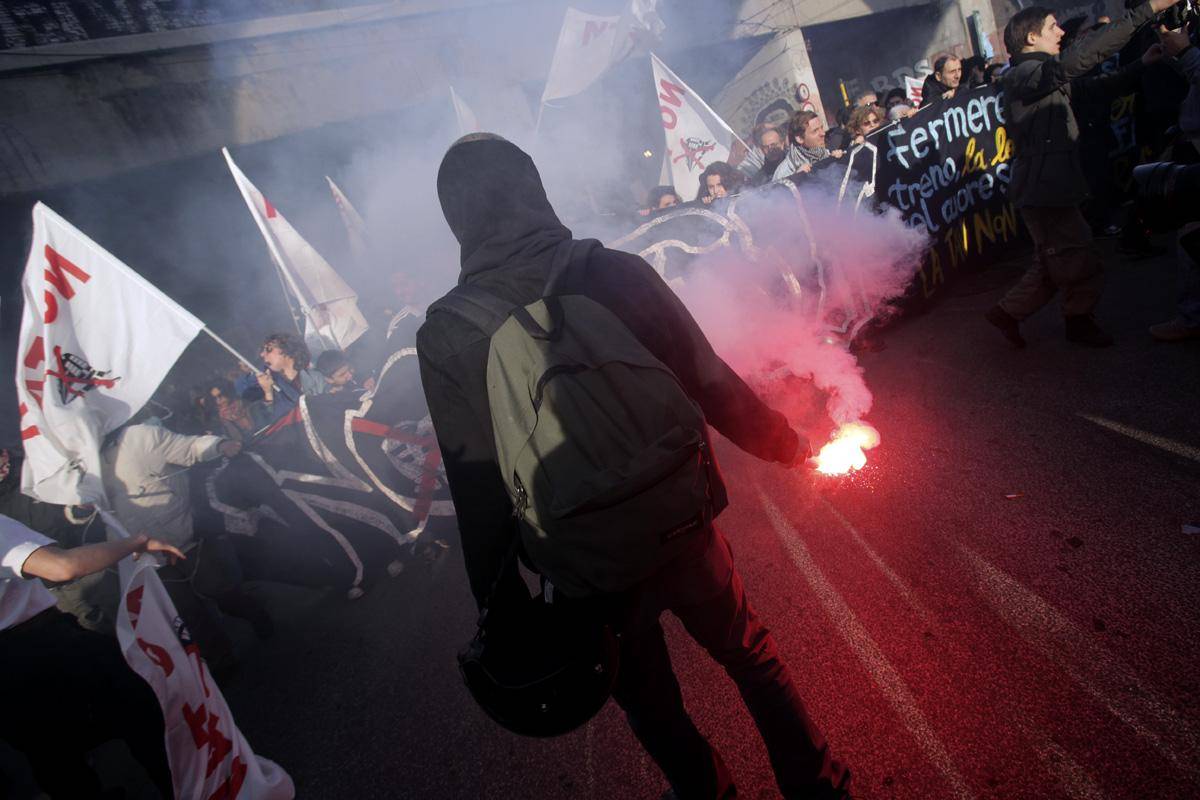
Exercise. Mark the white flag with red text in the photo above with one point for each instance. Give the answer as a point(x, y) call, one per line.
point(913, 89)
point(96, 341)
point(210, 758)
point(332, 320)
point(589, 44)
point(356, 227)
point(696, 136)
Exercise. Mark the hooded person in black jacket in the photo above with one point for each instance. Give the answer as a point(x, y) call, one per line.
point(494, 203)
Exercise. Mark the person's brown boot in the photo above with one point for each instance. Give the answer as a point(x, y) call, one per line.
point(1007, 323)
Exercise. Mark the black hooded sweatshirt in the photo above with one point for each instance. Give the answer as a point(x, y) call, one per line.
point(493, 200)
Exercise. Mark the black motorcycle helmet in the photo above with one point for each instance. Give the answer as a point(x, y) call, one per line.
point(544, 674)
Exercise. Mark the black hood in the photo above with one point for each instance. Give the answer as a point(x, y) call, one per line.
point(493, 200)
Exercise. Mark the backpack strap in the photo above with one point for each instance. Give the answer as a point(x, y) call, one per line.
point(572, 254)
point(480, 308)
point(487, 312)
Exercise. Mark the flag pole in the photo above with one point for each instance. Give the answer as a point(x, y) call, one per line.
point(232, 352)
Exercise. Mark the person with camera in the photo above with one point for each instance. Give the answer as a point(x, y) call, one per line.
point(1048, 184)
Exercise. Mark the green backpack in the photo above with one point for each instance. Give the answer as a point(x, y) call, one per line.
point(603, 453)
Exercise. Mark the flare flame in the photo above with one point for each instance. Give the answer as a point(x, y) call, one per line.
point(845, 451)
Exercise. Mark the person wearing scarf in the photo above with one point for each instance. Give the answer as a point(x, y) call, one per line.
point(806, 137)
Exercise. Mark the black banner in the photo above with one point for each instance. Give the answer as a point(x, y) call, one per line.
point(947, 170)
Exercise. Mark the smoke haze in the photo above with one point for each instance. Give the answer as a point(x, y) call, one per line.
point(184, 226)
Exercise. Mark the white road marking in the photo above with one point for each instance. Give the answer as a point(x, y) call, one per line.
point(1074, 778)
point(1161, 442)
point(589, 759)
point(924, 613)
point(882, 672)
point(1097, 671)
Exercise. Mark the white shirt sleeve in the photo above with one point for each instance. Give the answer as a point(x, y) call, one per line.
point(17, 544)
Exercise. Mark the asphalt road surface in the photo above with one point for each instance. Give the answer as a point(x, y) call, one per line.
point(1004, 604)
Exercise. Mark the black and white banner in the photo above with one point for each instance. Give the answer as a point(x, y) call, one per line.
point(947, 170)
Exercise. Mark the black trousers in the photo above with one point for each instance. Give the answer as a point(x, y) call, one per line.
point(66, 690)
point(704, 590)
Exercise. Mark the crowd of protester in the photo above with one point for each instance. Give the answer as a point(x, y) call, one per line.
point(147, 470)
point(218, 415)
point(1157, 63)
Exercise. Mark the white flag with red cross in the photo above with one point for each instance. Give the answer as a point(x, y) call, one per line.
point(329, 306)
point(96, 341)
point(696, 136)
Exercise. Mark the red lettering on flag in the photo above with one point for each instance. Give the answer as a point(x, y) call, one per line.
point(58, 268)
point(194, 650)
point(161, 658)
point(30, 431)
point(671, 93)
point(205, 733)
point(232, 785)
point(271, 212)
point(593, 29)
point(133, 604)
point(36, 354)
point(33, 359)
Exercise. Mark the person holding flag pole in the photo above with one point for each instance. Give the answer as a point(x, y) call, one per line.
point(96, 341)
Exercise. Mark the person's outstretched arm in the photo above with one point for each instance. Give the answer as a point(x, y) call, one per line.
point(56, 564)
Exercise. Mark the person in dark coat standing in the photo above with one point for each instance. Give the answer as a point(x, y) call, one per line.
point(1048, 183)
point(494, 203)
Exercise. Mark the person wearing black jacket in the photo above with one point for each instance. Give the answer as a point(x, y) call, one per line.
point(943, 82)
point(1048, 183)
point(494, 202)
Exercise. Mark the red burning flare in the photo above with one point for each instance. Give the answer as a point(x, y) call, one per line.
point(845, 451)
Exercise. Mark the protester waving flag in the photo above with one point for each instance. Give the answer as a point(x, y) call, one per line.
point(96, 340)
point(329, 306)
point(696, 136)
